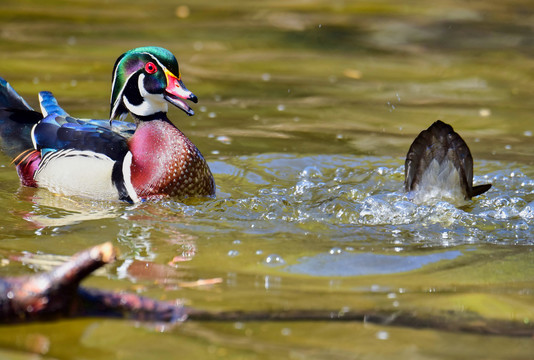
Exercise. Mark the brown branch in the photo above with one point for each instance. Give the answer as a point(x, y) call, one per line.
point(51, 294)
point(56, 294)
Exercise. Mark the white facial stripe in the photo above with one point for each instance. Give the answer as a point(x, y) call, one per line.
point(151, 104)
point(156, 60)
point(117, 100)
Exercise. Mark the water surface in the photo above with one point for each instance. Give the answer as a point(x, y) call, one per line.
point(306, 111)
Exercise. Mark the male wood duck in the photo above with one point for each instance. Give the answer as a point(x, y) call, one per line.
point(439, 165)
point(110, 159)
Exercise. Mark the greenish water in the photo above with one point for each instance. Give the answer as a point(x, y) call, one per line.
point(306, 110)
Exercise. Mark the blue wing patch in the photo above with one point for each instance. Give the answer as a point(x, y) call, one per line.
point(64, 132)
point(60, 131)
point(49, 105)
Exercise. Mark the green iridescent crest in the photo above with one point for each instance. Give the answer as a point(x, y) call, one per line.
point(130, 63)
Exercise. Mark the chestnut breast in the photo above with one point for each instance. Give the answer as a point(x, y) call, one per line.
point(166, 162)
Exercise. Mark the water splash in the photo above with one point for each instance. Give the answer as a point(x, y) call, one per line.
point(349, 199)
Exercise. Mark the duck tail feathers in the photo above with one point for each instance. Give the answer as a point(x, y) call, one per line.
point(17, 119)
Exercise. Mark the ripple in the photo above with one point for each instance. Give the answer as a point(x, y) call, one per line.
point(353, 200)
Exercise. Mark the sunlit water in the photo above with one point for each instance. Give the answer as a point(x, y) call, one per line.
point(305, 112)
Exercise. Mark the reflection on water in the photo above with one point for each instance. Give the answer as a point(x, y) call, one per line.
point(305, 112)
point(52, 210)
point(340, 263)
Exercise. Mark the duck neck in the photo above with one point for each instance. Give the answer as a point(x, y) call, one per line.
point(160, 115)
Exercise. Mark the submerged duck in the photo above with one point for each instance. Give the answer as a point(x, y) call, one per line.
point(439, 165)
point(110, 159)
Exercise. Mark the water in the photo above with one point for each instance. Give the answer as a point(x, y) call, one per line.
point(305, 114)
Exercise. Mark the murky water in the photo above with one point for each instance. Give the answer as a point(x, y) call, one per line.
point(306, 111)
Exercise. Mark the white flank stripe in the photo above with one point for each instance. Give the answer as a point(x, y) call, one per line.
point(126, 174)
point(32, 135)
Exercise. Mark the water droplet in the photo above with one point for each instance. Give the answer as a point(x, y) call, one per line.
point(335, 251)
point(281, 107)
point(198, 45)
point(212, 115)
point(233, 253)
point(311, 172)
point(382, 170)
point(527, 133)
point(203, 109)
point(224, 139)
point(266, 76)
point(286, 331)
point(237, 242)
point(521, 225)
point(382, 335)
point(274, 260)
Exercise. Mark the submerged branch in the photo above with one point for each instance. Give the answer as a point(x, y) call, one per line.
point(56, 294)
point(449, 321)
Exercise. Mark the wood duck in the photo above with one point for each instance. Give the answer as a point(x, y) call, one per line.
point(439, 165)
point(110, 159)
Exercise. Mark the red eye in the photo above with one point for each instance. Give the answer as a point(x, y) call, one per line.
point(150, 68)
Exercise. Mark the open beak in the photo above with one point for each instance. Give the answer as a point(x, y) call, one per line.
point(176, 93)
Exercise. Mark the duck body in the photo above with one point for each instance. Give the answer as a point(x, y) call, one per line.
point(104, 159)
point(439, 165)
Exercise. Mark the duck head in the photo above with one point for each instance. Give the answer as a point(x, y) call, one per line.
point(145, 80)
